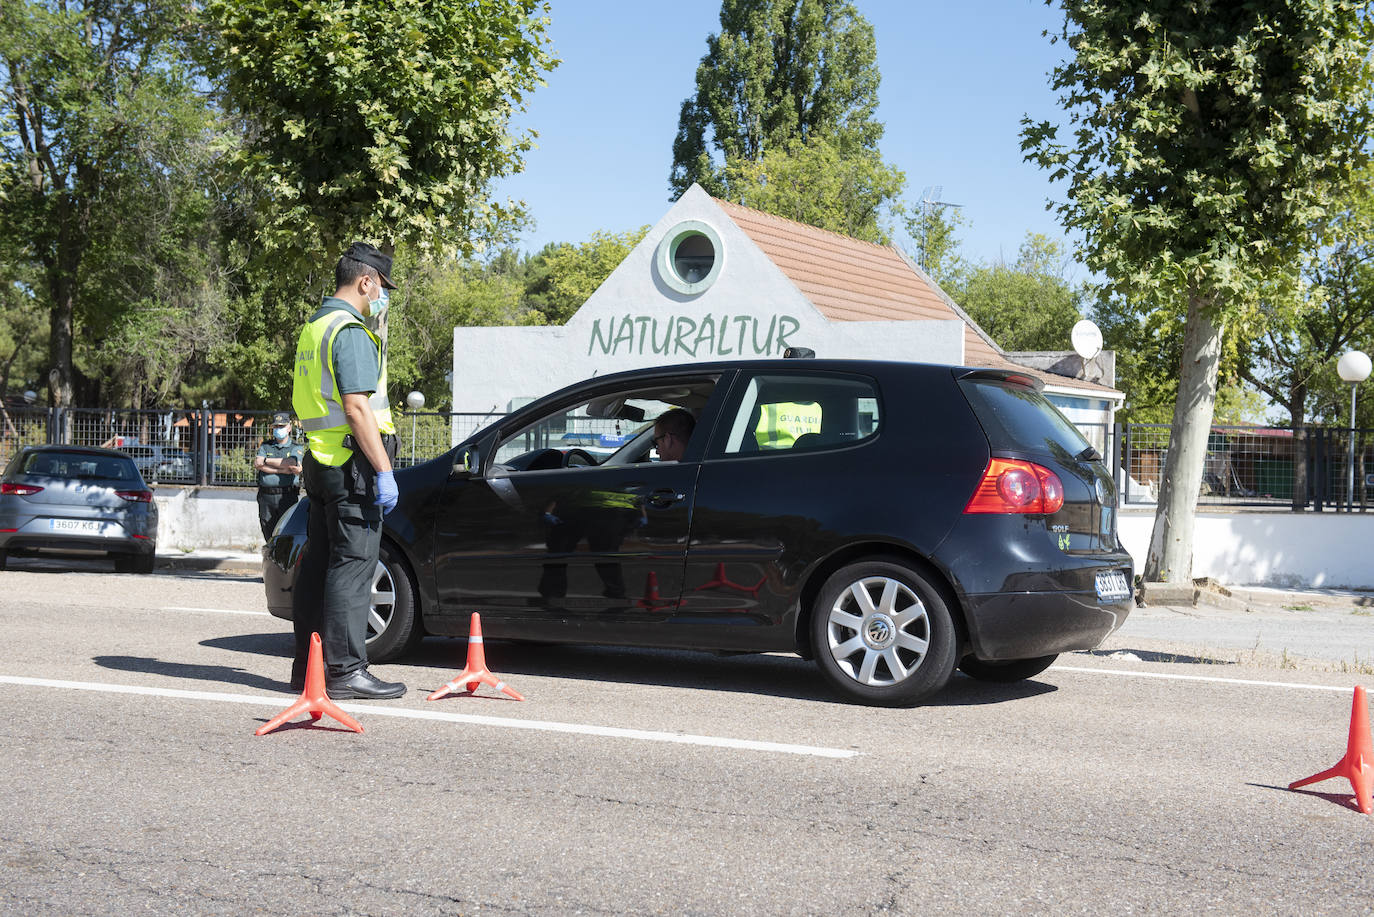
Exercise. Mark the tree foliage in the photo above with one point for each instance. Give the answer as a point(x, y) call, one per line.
point(1025, 305)
point(814, 182)
point(509, 289)
point(778, 71)
point(375, 120)
point(1207, 137)
point(105, 148)
point(933, 227)
point(1293, 361)
point(566, 275)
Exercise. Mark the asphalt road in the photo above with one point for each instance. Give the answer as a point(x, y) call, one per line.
point(1127, 781)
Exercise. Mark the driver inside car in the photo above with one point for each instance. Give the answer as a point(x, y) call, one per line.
point(672, 430)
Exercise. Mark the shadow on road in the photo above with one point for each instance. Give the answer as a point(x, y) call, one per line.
point(1156, 656)
point(766, 675)
point(222, 674)
point(1344, 800)
point(105, 565)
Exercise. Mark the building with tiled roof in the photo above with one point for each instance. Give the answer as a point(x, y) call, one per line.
point(715, 280)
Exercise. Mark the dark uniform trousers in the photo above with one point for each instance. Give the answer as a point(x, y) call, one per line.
point(272, 502)
point(333, 591)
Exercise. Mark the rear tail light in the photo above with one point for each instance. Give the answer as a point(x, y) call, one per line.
point(1014, 486)
point(136, 496)
point(19, 490)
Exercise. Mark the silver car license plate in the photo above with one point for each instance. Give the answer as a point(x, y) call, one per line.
point(1112, 586)
point(84, 526)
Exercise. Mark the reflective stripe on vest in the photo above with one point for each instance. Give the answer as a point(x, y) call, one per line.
point(780, 424)
point(320, 406)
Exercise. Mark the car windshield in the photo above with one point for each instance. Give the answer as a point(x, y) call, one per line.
point(80, 465)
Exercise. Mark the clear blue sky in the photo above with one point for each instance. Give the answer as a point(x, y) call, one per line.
point(956, 80)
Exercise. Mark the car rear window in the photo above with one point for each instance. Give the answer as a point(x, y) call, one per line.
point(1019, 417)
point(80, 465)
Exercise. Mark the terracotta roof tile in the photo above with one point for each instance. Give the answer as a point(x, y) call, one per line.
point(849, 280)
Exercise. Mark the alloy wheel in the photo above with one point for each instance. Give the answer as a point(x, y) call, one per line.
point(878, 631)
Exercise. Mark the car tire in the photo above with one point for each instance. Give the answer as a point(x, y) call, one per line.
point(1006, 672)
point(4, 559)
point(393, 628)
point(882, 634)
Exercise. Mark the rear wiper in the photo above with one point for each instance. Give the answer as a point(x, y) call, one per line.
point(1089, 454)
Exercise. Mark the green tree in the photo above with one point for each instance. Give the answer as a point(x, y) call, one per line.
point(104, 141)
point(1208, 136)
point(778, 70)
point(376, 120)
point(1148, 342)
point(814, 182)
point(508, 289)
point(933, 226)
point(439, 296)
point(1292, 361)
point(386, 122)
point(1028, 305)
point(565, 276)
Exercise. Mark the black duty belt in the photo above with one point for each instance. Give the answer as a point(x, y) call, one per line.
point(278, 490)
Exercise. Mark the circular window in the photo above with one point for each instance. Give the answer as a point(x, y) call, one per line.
point(689, 257)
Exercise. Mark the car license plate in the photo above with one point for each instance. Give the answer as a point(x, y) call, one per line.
point(84, 526)
point(1112, 586)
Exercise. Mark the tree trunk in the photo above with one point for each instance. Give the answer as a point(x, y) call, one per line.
point(1171, 544)
point(60, 342)
point(1297, 410)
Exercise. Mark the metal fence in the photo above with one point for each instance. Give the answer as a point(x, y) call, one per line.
point(202, 446)
point(1258, 466)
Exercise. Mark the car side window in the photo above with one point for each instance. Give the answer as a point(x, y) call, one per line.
point(795, 413)
point(607, 427)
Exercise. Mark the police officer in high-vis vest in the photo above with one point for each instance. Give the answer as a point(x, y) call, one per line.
point(339, 396)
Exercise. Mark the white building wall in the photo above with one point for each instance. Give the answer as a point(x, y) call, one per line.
point(1292, 550)
point(636, 319)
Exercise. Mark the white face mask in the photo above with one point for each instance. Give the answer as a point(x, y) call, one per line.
point(282, 434)
point(376, 307)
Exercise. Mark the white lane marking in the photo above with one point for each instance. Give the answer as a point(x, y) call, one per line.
point(1174, 677)
point(470, 719)
point(222, 611)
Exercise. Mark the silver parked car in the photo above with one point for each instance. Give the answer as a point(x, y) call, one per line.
point(77, 501)
point(161, 463)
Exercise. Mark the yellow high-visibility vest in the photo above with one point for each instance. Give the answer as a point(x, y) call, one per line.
point(315, 393)
point(780, 424)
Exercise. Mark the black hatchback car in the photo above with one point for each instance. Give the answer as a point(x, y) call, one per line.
point(890, 520)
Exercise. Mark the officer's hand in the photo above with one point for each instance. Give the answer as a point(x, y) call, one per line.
point(387, 494)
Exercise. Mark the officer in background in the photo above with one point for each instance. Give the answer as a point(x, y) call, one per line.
point(278, 464)
point(339, 394)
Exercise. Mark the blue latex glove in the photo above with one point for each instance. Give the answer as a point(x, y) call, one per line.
point(387, 494)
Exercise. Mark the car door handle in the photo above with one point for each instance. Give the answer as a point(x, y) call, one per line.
point(664, 498)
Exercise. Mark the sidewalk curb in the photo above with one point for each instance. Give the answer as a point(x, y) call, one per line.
point(234, 562)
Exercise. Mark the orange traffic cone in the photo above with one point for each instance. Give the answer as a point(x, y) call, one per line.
point(475, 672)
point(1358, 764)
point(313, 699)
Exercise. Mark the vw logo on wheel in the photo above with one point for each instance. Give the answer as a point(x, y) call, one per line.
point(879, 632)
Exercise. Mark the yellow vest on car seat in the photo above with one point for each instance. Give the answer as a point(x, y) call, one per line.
point(780, 424)
point(315, 394)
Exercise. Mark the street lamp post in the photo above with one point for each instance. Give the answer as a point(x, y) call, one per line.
point(1353, 367)
point(415, 401)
